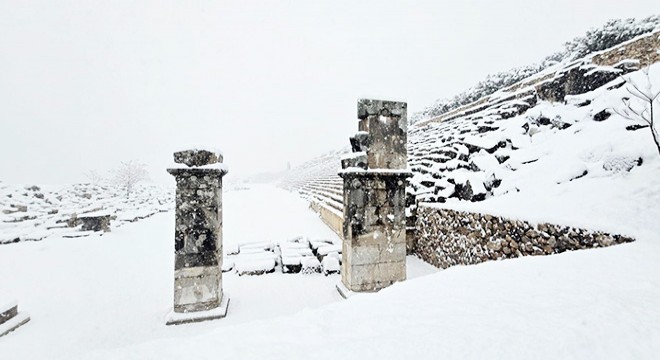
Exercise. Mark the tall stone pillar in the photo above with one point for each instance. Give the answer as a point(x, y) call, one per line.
point(375, 175)
point(198, 294)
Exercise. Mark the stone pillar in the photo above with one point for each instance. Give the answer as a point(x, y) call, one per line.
point(198, 294)
point(375, 176)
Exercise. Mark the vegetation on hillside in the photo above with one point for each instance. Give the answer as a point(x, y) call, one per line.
point(610, 34)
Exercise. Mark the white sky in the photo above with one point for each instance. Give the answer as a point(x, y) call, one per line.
point(84, 85)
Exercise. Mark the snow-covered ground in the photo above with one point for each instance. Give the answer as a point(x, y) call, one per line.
point(35, 213)
point(106, 298)
point(90, 295)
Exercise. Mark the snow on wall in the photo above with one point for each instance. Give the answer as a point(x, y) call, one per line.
point(448, 237)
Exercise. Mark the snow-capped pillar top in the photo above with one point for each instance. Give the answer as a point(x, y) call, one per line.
point(198, 159)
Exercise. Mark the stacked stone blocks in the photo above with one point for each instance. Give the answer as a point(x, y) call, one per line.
point(374, 176)
point(198, 234)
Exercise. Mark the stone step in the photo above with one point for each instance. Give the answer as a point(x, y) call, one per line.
point(10, 318)
point(7, 311)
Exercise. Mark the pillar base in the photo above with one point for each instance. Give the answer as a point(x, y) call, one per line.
point(175, 318)
point(347, 293)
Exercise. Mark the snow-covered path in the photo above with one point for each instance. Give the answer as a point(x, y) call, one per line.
point(112, 291)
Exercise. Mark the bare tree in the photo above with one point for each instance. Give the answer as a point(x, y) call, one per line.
point(94, 177)
point(640, 108)
point(129, 174)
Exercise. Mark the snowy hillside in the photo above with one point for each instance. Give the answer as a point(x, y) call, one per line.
point(525, 141)
point(551, 144)
point(612, 33)
point(32, 213)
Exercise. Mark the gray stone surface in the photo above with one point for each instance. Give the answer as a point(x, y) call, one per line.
point(387, 128)
point(374, 244)
point(11, 319)
point(195, 158)
point(7, 314)
point(95, 223)
point(198, 232)
point(447, 238)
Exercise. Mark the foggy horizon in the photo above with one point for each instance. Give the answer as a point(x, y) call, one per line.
point(86, 86)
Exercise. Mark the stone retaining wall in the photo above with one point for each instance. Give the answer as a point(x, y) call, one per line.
point(448, 237)
point(330, 217)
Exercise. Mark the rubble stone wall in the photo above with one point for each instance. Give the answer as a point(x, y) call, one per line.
point(447, 237)
point(645, 50)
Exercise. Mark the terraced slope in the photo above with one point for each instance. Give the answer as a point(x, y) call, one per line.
point(553, 128)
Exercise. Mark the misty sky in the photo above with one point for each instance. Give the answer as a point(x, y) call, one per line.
point(84, 85)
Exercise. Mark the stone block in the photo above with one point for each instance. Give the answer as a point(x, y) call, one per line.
point(95, 223)
point(386, 124)
point(330, 265)
point(362, 255)
point(219, 312)
point(372, 277)
point(8, 312)
point(360, 142)
point(377, 253)
point(310, 265)
point(354, 160)
point(195, 158)
point(197, 289)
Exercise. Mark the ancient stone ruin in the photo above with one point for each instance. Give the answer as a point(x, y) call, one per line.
point(95, 222)
point(374, 176)
point(11, 318)
point(198, 294)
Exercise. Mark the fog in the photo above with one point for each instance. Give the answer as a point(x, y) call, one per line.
point(85, 85)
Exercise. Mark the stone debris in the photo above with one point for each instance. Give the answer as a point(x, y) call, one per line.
point(293, 256)
point(95, 222)
point(27, 217)
point(330, 265)
point(310, 265)
point(255, 265)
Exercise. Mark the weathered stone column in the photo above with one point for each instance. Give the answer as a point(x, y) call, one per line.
point(198, 294)
point(374, 245)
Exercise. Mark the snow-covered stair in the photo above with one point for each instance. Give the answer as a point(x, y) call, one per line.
point(10, 318)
